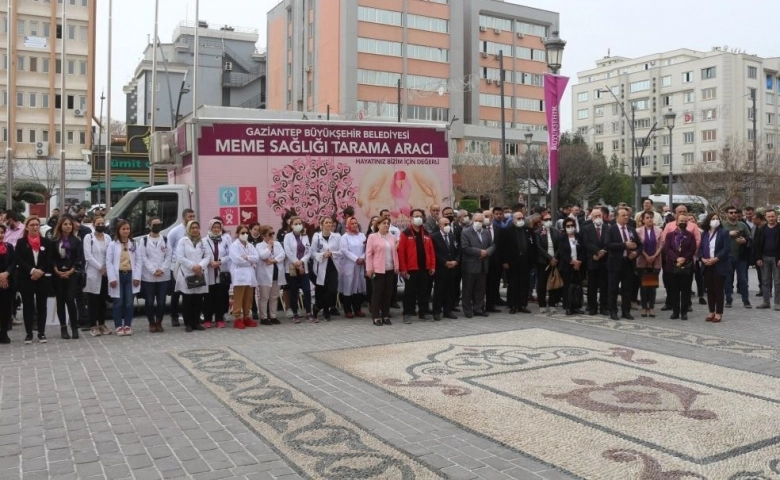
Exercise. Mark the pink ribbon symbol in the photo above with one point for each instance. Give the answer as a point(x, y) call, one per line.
point(248, 196)
point(229, 217)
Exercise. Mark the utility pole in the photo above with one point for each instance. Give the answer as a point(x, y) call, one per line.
point(9, 166)
point(100, 143)
point(108, 108)
point(503, 127)
point(63, 109)
point(153, 90)
point(755, 148)
point(634, 165)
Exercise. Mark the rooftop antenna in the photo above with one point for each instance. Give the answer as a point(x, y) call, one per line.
point(609, 52)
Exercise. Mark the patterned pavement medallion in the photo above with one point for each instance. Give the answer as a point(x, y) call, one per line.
point(589, 408)
point(314, 440)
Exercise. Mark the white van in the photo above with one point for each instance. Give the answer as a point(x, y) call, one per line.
point(141, 204)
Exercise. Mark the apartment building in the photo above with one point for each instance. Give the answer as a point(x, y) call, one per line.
point(436, 60)
point(35, 64)
point(711, 93)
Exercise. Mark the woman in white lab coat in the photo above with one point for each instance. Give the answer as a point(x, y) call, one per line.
point(216, 303)
point(243, 269)
point(270, 275)
point(352, 284)
point(192, 258)
point(325, 249)
point(155, 279)
point(95, 246)
point(124, 267)
point(298, 250)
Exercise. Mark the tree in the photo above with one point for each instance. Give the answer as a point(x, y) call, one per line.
point(659, 187)
point(480, 176)
point(616, 186)
point(23, 192)
point(42, 172)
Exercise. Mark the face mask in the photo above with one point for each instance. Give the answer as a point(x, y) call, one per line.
point(417, 221)
point(243, 237)
point(102, 228)
point(447, 229)
point(486, 222)
point(520, 223)
point(465, 221)
point(714, 223)
point(682, 225)
point(507, 216)
point(570, 230)
point(598, 222)
point(477, 226)
point(548, 224)
point(450, 218)
point(156, 228)
point(298, 228)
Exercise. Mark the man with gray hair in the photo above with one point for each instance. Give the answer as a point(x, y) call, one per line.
point(476, 249)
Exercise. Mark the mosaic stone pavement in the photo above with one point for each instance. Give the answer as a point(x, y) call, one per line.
point(161, 406)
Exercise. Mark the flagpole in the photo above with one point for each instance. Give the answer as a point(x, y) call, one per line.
point(9, 181)
point(108, 108)
point(154, 84)
point(195, 89)
point(63, 109)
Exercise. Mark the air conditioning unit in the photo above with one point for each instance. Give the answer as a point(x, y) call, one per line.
point(489, 81)
point(162, 150)
point(520, 35)
point(497, 31)
point(42, 149)
point(228, 66)
point(308, 68)
point(78, 112)
point(482, 28)
point(484, 54)
point(498, 83)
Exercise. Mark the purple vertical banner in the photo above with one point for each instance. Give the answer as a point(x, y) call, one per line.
point(554, 86)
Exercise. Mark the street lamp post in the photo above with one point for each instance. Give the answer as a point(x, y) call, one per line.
point(503, 127)
point(529, 138)
point(669, 119)
point(100, 143)
point(553, 46)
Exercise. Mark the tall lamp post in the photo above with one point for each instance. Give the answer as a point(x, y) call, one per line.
point(554, 46)
point(669, 120)
point(100, 143)
point(503, 127)
point(529, 138)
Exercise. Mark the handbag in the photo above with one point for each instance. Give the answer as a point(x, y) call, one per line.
point(81, 278)
point(555, 280)
point(575, 293)
point(684, 269)
point(225, 278)
point(194, 281)
point(649, 279)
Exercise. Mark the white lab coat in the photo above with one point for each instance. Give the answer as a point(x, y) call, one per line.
point(352, 277)
point(113, 255)
point(95, 258)
point(291, 251)
point(224, 256)
point(243, 270)
point(187, 256)
point(157, 255)
point(318, 247)
point(265, 273)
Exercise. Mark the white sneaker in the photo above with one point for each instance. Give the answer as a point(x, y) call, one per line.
point(120, 331)
point(288, 313)
point(551, 310)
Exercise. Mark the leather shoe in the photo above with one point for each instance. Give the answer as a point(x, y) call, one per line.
point(512, 310)
point(613, 316)
point(578, 311)
point(424, 317)
point(666, 308)
point(493, 310)
point(451, 316)
point(569, 312)
point(604, 312)
point(436, 317)
point(684, 316)
point(592, 312)
point(523, 310)
point(674, 316)
point(455, 309)
point(627, 316)
point(468, 315)
point(480, 314)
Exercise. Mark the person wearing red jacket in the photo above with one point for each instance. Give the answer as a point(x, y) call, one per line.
point(417, 264)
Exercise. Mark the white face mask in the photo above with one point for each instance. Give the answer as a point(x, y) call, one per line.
point(297, 228)
point(447, 229)
point(244, 237)
point(714, 223)
point(507, 216)
point(417, 221)
point(570, 230)
point(477, 226)
point(486, 222)
point(598, 222)
point(465, 221)
point(520, 223)
point(548, 224)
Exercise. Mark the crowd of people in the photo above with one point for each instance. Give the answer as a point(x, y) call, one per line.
point(448, 261)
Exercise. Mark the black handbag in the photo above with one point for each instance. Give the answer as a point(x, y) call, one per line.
point(225, 278)
point(684, 269)
point(575, 292)
point(81, 278)
point(194, 281)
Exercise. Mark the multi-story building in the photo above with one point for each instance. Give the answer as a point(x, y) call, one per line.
point(34, 62)
point(436, 60)
point(711, 93)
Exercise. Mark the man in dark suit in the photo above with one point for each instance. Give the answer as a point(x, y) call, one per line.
point(547, 247)
point(476, 249)
point(594, 240)
point(517, 249)
point(623, 246)
point(446, 285)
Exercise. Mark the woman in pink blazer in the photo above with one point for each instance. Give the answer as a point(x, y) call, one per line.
point(650, 259)
point(382, 269)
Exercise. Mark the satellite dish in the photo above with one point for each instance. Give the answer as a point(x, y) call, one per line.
point(441, 90)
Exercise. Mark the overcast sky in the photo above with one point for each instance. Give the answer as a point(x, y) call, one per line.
point(591, 28)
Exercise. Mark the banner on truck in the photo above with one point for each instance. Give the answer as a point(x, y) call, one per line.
point(258, 172)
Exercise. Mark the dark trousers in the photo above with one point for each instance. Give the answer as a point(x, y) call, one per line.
point(473, 294)
point(667, 278)
point(493, 285)
point(542, 275)
point(192, 307)
point(458, 280)
point(6, 310)
point(215, 303)
point(154, 300)
point(518, 285)
point(175, 296)
point(34, 307)
point(445, 290)
point(598, 283)
point(416, 292)
point(680, 293)
point(382, 294)
point(715, 291)
point(299, 282)
point(571, 302)
point(621, 281)
point(352, 303)
point(97, 304)
point(82, 307)
point(65, 291)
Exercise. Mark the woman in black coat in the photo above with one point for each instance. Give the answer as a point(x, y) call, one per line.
point(571, 256)
point(6, 285)
point(33, 276)
point(67, 260)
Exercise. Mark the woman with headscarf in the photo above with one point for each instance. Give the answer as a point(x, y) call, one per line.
point(218, 278)
point(7, 292)
point(352, 284)
point(95, 246)
point(243, 266)
point(33, 265)
point(68, 257)
point(124, 267)
point(192, 257)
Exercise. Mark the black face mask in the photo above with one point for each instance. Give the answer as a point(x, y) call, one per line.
point(682, 225)
point(451, 218)
point(156, 228)
point(100, 228)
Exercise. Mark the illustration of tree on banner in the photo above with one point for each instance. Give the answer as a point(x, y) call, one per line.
point(314, 186)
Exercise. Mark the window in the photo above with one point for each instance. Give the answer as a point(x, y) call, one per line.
point(770, 99)
point(709, 156)
point(531, 29)
point(709, 114)
point(5, 134)
point(378, 47)
point(599, 146)
point(495, 22)
point(709, 135)
point(597, 93)
point(83, 34)
point(71, 67)
point(770, 117)
point(490, 100)
point(5, 62)
point(5, 97)
point(750, 135)
point(45, 136)
point(665, 140)
point(33, 100)
point(19, 99)
point(598, 129)
point(45, 65)
point(69, 137)
point(82, 67)
point(752, 72)
point(20, 30)
point(84, 3)
point(615, 144)
point(689, 97)
point(4, 28)
point(524, 53)
point(582, 114)
point(529, 78)
point(19, 135)
point(643, 104)
point(435, 114)
point(642, 123)
point(530, 104)
point(688, 158)
point(430, 24)
point(688, 137)
point(640, 86)
point(162, 205)
point(373, 77)
point(33, 64)
point(58, 137)
point(539, 55)
point(59, 31)
point(665, 159)
point(582, 97)
point(645, 161)
point(34, 29)
point(423, 52)
point(58, 101)
point(707, 73)
point(44, 100)
point(494, 48)
point(598, 111)
point(666, 81)
point(82, 137)
point(666, 100)
point(71, 32)
point(750, 113)
point(687, 77)
point(708, 93)
point(46, 29)
point(31, 136)
point(58, 66)
point(70, 102)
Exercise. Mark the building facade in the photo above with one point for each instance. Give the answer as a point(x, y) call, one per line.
point(434, 60)
point(33, 59)
point(711, 93)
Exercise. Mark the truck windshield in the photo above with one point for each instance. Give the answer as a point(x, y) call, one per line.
point(139, 207)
